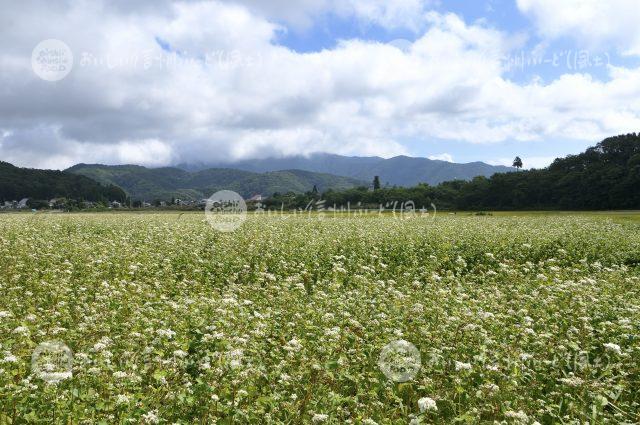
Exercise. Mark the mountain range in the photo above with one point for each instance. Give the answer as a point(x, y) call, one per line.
point(297, 174)
point(267, 176)
point(606, 176)
point(169, 182)
point(398, 171)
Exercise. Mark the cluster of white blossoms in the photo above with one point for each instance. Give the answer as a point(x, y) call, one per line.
point(9, 358)
point(572, 381)
point(151, 417)
point(293, 346)
point(21, 331)
point(615, 348)
point(427, 404)
point(462, 366)
point(319, 418)
point(492, 319)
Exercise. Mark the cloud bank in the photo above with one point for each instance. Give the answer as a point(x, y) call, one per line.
point(160, 82)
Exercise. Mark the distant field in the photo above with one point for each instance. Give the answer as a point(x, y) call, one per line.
point(515, 317)
point(614, 215)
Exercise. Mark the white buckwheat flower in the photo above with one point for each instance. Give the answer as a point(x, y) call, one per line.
point(426, 403)
point(293, 345)
point(21, 330)
point(180, 354)
point(166, 333)
point(151, 417)
point(519, 416)
point(572, 381)
point(122, 399)
point(609, 346)
point(462, 366)
point(9, 358)
point(318, 418)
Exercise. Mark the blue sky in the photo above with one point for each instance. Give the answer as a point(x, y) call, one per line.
point(561, 56)
point(327, 29)
point(162, 82)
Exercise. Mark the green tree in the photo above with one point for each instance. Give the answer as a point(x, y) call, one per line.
point(376, 183)
point(517, 163)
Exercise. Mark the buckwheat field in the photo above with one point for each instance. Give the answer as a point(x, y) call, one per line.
point(160, 319)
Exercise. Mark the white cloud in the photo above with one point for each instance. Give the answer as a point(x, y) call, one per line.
point(597, 23)
point(232, 93)
point(442, 157)
point(300, 14)
point(387, 13)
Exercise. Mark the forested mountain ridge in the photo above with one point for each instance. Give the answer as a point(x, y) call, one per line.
point(397, 171)
point(604, 177)
point(148, 184)
point(18, 183)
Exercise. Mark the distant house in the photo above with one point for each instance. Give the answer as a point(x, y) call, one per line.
point(115, 204)
point(256, 198)
point(57, 202)
point(22, 204)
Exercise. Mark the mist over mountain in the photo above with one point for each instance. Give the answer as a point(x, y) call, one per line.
point(398, 171)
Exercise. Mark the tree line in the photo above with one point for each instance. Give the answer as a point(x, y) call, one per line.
point(604, 177)
point(43, 185)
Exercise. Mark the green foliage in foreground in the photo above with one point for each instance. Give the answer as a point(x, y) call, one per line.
point(517, 319)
